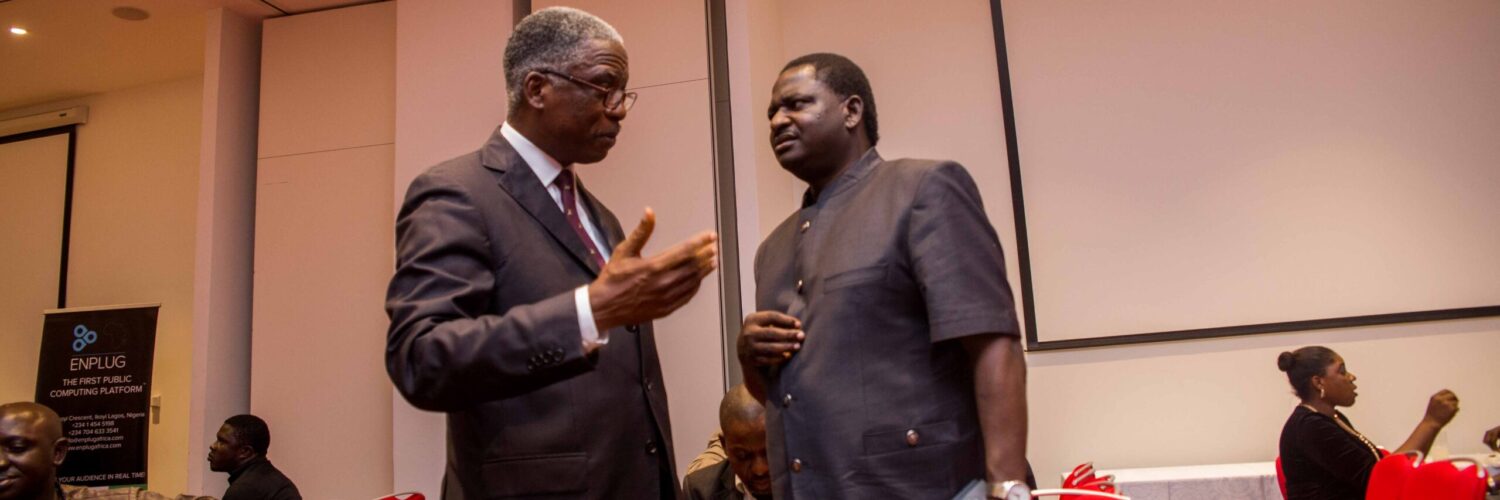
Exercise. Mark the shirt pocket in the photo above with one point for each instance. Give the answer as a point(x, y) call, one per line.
point(918, 436)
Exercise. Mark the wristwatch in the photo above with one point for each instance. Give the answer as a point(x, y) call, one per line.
point(1010, 490)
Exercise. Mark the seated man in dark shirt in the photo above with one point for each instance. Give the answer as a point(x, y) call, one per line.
point(241, 451)
point(744, 474)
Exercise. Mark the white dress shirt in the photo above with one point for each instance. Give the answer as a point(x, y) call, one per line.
point(547, 170)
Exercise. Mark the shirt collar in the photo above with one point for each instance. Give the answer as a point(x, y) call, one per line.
point(234, 475)
point(545, 167)
point(849, 177)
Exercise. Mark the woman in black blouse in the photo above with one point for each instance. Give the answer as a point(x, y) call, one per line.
point(1322, 456)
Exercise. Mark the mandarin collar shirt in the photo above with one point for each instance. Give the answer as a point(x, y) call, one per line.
point(885, 267)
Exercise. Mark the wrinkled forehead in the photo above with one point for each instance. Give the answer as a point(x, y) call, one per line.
point(604, 52)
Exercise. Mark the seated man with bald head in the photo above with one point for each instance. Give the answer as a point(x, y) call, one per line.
point(744, 473)
point(32, 447)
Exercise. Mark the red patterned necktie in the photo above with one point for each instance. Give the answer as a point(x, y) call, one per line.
point(568, 184)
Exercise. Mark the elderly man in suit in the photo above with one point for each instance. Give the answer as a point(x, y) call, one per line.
point(520, 308)
point(885, 335)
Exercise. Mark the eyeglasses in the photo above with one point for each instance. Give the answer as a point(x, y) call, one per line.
point(613, 99)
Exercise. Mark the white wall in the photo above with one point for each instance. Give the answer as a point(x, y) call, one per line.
point(450, 95)
point(225, 237)
point(324, 240)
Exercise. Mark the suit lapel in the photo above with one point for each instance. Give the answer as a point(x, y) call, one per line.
point(523, 185)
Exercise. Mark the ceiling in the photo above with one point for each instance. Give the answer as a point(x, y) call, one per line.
point(77, 47)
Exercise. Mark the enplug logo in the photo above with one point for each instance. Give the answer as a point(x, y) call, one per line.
point(82, 337)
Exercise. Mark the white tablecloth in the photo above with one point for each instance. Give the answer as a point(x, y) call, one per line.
point(1248, 481)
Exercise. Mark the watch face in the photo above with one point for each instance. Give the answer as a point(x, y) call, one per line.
point(1018, 492)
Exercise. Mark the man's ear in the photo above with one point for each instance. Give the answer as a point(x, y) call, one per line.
point(534, 89)
point(854, 111)
point(59, 451)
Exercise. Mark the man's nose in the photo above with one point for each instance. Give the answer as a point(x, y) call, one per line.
point(778, 120)
point(618, 113)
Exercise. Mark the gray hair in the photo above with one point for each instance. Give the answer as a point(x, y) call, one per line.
point(550, 39)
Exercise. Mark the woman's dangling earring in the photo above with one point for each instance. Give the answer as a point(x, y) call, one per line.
point(1320, 392)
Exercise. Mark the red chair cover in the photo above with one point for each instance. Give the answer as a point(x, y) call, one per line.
point(1454, 479)
point(1390, 475)
point(1280, 478)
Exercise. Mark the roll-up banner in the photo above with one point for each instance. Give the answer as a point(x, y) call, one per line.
point(95, 372)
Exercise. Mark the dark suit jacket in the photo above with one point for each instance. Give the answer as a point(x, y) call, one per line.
point(484, 327)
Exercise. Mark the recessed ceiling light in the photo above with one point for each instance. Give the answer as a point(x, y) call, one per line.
point(130, 13)
point(17, 30)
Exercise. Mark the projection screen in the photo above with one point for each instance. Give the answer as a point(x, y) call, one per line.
point(1195, 168)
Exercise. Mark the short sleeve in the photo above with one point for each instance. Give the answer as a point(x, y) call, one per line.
point(956, 258)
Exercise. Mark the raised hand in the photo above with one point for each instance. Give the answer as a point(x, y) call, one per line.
point(1441, 407)
point(633, 289)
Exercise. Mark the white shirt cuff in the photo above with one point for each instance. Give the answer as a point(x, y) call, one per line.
point(592, 338)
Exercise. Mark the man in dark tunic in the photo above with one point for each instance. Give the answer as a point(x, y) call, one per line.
point(885, 341)
point(240, 450)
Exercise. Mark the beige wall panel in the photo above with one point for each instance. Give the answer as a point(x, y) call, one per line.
point(664, 161)
point(225, 239)
point(33, 181)
point(450, 81)
point(328, 80)
point(450, 95)
point(323, 251)
point(134, 199)
point(666, 39)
